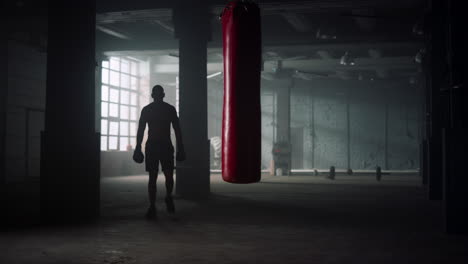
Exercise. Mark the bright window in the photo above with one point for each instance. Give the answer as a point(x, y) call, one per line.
point(119, 103)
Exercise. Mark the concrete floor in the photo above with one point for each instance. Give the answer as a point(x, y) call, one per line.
point(296, 219)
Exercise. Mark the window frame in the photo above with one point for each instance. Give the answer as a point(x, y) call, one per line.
point(133, 88)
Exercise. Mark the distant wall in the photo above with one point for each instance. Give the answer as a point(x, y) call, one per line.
point(357, 124)
point(361, 124)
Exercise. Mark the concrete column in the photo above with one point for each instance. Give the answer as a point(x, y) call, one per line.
point(3, 109)
point(423, 128)
point(312, 127)
point(70, 147)
point(386, 110)
point(192, 28)
point(348, 132)
point(283, 112)
point(455, 143)
point(283, 116)
point(434, 140)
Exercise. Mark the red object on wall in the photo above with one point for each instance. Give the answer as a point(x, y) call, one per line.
point(241, 131)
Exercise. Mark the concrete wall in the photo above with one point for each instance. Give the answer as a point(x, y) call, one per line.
point(365, 124)
point(361, 124)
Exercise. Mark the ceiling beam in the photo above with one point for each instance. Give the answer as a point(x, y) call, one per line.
point(166, 25)
point(112, 32)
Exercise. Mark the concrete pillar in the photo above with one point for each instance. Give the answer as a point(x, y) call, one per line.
point(283, 117)
point(386, 163)
point(348, 133)
point(437, 50)
point(423, 127)
point(312, 127)
point(70, 147)
point(192, 28)
point(3, 104)
point(455, 143)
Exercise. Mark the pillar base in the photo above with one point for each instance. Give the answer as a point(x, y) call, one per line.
point(70, 180)
point(455, 181)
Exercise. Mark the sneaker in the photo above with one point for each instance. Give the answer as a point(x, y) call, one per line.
point(170, 205)
point(151, 213)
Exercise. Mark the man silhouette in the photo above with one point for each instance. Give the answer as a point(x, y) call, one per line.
point(159, 116)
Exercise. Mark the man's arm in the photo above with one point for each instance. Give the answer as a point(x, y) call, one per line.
point(141, 129)
point(178, 132)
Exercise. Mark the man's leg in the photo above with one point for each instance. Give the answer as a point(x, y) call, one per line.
point(153, 176)
point(168, 170)
point(169, 174)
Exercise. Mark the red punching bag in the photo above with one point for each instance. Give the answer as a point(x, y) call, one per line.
point(241, 135)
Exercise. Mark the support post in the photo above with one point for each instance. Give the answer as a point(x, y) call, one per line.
point(283, 121)
point(70, 177)
point(437, 51)
point(348, 134)
point(455, 143)
point(3, 110)
point(192, 28)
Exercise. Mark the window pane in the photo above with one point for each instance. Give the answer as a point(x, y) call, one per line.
point(133, 141)
point(105, 93)
point(124, 97)
point(105, 64)
point(114, 64)
point(133, 129)
point(113, 128)
point(134, 83)
point(114, 78)
point(105, 76)
point(123, 128)
point(104, 109)
point(134, 68)
point(125, 81)
point(133, 98)
point(123, 112)
point(103, 127)
point(104, 143)
point(114, 110)
point(113, 143)
point(123, 143)
point(125, 66)
point(114, 95)
point(133, 113)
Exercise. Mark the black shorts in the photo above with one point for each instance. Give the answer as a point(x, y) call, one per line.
point(153, 164)
point(159, 153)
